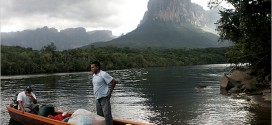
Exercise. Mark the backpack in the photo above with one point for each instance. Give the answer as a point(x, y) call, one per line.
point(15, 103)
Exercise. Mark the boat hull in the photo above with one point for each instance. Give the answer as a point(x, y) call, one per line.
point(26, 118)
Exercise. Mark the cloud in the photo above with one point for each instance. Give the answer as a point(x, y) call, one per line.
point(92, 14)
point(203, 3)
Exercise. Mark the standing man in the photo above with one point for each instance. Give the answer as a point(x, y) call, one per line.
point(103, 85)
point(27, 101)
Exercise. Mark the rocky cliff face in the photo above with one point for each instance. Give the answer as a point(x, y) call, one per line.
point(171, 24)
point(179, 12)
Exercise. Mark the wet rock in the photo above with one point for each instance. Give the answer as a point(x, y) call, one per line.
point(249, 71)
point(266, 91)
point(235, 90)
point(248, 99)
point(227, 83)
point(238, 75)
point(249, 84)
point(267, 95)
point(258, 99)
point(224, 92)
point(201, 86)
point(245, 82)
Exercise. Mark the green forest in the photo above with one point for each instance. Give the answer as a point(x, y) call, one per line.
point(19, 60)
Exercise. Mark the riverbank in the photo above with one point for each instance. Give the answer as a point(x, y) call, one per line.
point(245, 84)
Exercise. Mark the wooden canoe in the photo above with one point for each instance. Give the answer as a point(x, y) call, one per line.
point(26, 118)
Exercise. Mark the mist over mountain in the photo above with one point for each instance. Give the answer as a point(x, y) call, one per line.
point(64, 39)
point(180, 12)
point(171, 24)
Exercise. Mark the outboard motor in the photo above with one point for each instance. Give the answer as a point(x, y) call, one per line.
point(14, 103)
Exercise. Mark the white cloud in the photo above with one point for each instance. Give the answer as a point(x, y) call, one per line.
point(120, 16)
point(203, 3)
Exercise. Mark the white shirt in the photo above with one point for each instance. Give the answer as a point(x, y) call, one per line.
point(101, 82)
point(26, 99)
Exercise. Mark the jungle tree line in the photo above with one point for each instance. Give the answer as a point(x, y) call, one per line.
point(19, 60)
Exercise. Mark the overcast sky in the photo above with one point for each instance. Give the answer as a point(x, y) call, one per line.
point(120, 16)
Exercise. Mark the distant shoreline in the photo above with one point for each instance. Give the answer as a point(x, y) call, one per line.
point(18, 60)
point(22, 76)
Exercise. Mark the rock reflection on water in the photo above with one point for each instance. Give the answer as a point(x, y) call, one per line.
point(165, 95)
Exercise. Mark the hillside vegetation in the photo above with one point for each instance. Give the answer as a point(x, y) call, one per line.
point(164, 35)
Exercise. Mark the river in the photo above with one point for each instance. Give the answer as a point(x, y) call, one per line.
point(161, 95)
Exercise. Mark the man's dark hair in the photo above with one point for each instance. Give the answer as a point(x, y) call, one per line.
point(96, 63)
point(28, 88)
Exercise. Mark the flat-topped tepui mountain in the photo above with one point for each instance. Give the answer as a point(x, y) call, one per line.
point(171, 24)
point(64, 39)
point(166, 24)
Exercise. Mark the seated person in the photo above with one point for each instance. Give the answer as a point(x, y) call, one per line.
point(27, 101)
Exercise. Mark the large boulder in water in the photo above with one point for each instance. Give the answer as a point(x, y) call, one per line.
point(238, 75)
point(227, 83)
point(239, 80)
point(249, 84)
